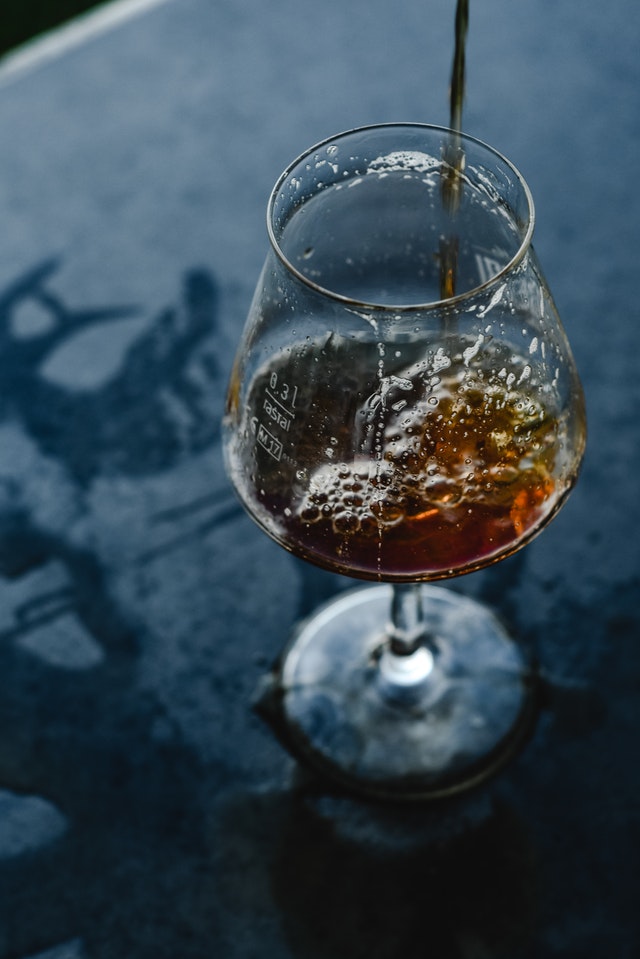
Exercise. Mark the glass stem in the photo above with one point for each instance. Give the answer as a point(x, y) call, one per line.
point(407, 659)
point(407, 630)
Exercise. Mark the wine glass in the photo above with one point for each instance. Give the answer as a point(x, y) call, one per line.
point(404, 407)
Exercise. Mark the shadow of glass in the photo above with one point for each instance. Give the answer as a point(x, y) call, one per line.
point(454, 880)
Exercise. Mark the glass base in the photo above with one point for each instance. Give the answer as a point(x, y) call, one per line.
point(401, 727)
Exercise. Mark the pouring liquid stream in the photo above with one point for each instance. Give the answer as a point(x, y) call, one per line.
point(453, 157)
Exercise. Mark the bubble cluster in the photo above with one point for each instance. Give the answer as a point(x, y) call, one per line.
point(460, 444)
point(352, 496)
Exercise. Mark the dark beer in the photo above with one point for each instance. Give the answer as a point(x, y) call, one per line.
point(407, 472)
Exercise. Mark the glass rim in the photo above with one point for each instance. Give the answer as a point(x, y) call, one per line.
point(441, 303)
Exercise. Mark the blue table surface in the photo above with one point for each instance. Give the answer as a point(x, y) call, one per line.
point(145, 811)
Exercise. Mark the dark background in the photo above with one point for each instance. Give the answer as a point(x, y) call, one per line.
point(145, 811)
point(24, 19)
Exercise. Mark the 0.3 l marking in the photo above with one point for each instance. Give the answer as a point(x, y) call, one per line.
point(283, 392)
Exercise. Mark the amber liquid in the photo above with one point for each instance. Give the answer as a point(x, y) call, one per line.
point(422, 471)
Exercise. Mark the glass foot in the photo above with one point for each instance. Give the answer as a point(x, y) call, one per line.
point(421, 726)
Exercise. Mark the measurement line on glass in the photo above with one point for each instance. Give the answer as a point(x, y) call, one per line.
point(274, 404)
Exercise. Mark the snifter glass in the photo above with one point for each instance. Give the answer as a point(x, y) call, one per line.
point(404, 407)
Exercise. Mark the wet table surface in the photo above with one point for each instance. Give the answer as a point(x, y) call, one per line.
point(145, 811)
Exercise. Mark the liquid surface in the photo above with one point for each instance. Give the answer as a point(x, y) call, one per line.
point(401, 471)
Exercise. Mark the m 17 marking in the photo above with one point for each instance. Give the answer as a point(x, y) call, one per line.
point(269, 442)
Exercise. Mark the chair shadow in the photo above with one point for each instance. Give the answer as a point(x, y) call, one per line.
point(123, 875)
